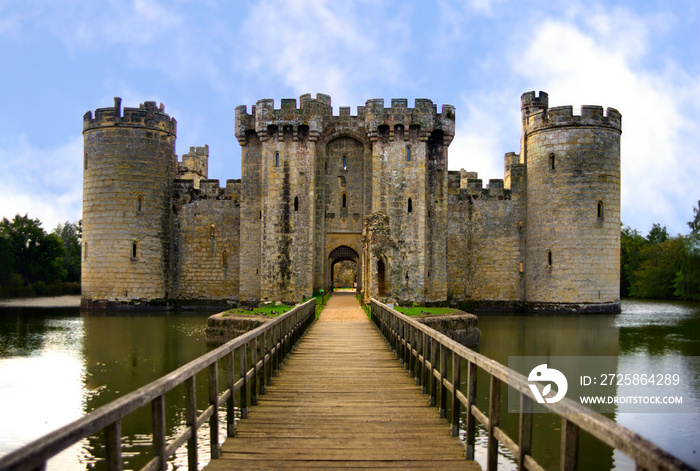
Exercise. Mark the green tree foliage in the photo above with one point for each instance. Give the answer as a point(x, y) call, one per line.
point(631, 245)
point(29, 252)
point(70, 234)
point(687, 280)
point(657, 234)
point(656, 273)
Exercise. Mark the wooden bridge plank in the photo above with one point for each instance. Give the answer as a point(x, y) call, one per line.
point(342, 401)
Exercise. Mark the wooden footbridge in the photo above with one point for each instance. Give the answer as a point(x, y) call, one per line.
point(343, 401)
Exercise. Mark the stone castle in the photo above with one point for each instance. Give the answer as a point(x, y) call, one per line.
point(370, 190)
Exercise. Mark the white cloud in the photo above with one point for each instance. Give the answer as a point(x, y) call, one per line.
point(329, 47)
point(601, 66)
point(46, 184)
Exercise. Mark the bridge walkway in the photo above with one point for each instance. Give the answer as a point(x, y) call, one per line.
point(343, 401)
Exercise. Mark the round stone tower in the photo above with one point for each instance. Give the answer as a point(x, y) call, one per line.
point(128, 170)
point(573, 205)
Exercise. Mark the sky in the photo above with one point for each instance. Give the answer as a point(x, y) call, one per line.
point(203, 58)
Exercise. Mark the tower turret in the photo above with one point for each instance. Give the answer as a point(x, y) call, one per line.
point(573, 204)
point(128, 171)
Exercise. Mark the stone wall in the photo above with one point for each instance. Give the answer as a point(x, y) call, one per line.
point(128, 170)
point(207, 241)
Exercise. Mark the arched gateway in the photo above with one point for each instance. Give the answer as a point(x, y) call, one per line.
point(344, 254)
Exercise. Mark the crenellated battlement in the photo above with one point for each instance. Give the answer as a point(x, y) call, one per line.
point(186, 191)
point(315, 114)
point(147, 115)
point(536, 114)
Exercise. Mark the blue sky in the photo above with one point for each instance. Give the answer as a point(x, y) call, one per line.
point(203, 58)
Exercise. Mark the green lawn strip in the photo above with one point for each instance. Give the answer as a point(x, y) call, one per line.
point(421, 311)
point(270, 310)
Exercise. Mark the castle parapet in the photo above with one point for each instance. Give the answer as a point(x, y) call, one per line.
point(147, 115)
point(536, 114)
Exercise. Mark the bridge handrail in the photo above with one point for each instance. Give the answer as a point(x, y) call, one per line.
point(284, 330)
point(401, 332)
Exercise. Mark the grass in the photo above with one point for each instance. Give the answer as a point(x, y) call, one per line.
point(419, 311)
point(269, 310)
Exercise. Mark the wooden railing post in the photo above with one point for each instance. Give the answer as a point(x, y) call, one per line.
point(254, 379)
point(231, 402)
point(276, 345)
point(159, 432)
point(191, 420)
point(113, 446)
point(471, 402)
point(424, 347)
point(494, 413)
point(443, 378)
point(569, 445)
point(266, 380)
point(456, 404)
point(433, 361)
point(243, 371)
point(525, 426)
point(213, 402)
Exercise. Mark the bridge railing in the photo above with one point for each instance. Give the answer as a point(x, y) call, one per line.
point(259, 353)
point(426, 352)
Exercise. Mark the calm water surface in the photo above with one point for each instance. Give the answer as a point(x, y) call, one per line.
point(58, 364)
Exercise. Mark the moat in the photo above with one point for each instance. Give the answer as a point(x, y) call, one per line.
point(80, 361)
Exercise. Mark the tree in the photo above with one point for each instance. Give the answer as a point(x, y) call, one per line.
point(631, 246)
point(687, 280)
point(70, 234)
point(37, 256)
point(657, 272)
point(657, 234)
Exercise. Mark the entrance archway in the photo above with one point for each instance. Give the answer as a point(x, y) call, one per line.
point(344, 264)
point(381, 278)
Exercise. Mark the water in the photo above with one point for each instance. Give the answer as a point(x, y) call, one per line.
point(659, 335)
point(57, 364)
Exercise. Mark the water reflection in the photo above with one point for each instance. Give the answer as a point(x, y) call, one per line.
point(58, 364)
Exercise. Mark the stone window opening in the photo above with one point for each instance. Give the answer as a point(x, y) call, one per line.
point(135, 251)
point(277, 159)
point(139, 204)
point(408, 153)
point(85, 250)
point(549, 258)
point(296, 203)
point(601, 210)
point(410, 205)
point(345, 163)
point(521, 267)
point(552, 162)
point(224, 259)
point(85, 161)
point(212, 230)
point(520, 225)
point(345, 200)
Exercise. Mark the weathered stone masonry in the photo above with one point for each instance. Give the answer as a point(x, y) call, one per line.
point(369, 190)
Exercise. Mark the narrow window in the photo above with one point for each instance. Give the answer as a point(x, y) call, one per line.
point(520, 225)
point(260, 216)
point(212, 230)
point(600, 209)
point(345, 163)
point(551, 162)
point(549, 258)
point(345, 200)
point(410, 205)
point(85, 250)
point(520, 267)
point(134, 251)
point(296, 203)
point(139, 204)
point(85, 161)
point(224, 259)
point(277, 159)
point(408, 154)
